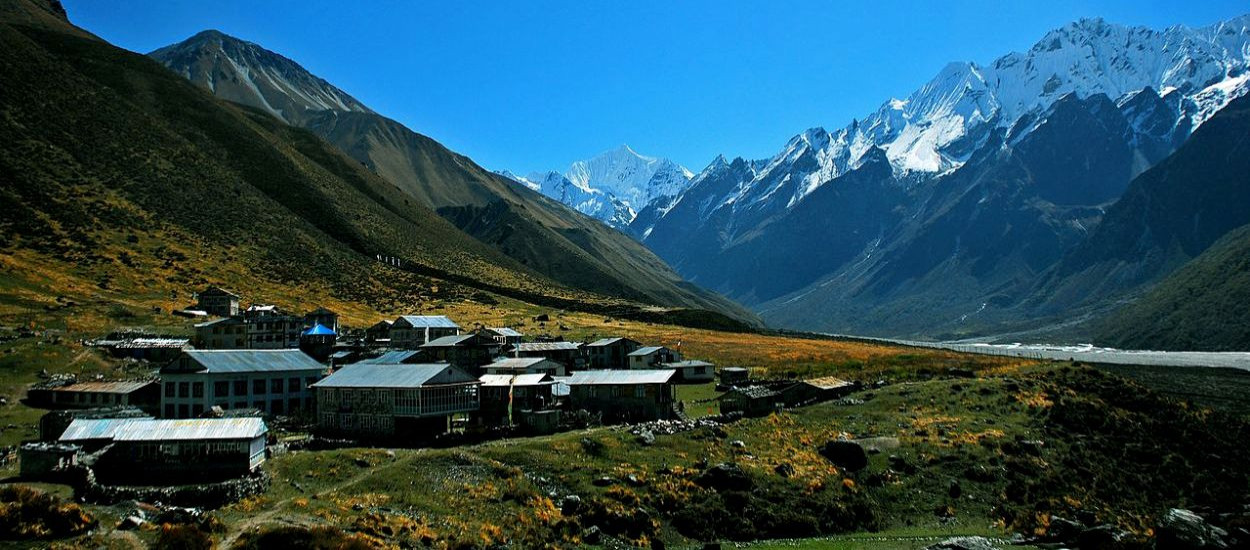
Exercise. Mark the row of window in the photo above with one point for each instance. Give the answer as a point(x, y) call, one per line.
point(222, 388)
point(275, 406)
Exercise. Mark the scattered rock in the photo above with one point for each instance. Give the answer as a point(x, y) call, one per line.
point(604, 481)
point(964, 543)
point(646, 438)
point(633, 480)
point(901, 465)
point(725, 476)
point(1185, 530)
point(362, 463)
point(738, 444)
point(1102, 536)
point(1063, 529)
point(131, 522)
point(592, 446)
point(571, 505)
point(592, 535)
point(848, 455)
point(785, 469)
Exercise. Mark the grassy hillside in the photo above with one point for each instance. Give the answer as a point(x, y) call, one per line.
point(119, 166)
point(544, 235)
point(1200, 307)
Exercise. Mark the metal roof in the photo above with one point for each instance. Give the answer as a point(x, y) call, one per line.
point(619, 377)
point(218, 291)
point(506, 332)
point(88, 429)
point(608, 341)
point(107, 387)
point(428, 321)
point(648, 350)
point(319, 330)
point(392, 357)
point(191, 429)
point(394, 376)
point(504, 380)
point(250, 360)
point(172, 343)
point(546, 346)
point(517, 362)
point(222, 321)
point(450, 341)
point(686, 364)
point(752, 392)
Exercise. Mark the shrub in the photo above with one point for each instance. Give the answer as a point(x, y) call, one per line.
point(26, 513)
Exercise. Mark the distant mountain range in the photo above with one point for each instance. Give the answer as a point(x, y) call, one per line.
point(953, 212)
point(612, 186)
point(541, 234)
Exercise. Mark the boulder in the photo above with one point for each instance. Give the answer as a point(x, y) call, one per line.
point(847, 455)
point(1185, 530)
point(571, 505)
point(725, 476)
point(130, 523)
point(1102, 536)
point(785, 469)
point(646, 438)
point(964, 543)
point(901, 465)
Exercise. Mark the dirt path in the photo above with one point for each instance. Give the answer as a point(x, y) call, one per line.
point(268, 516)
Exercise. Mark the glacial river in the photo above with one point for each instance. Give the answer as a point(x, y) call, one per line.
point(1088, 353)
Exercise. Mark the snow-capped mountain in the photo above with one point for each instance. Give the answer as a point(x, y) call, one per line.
point(613, 186)
point(957, 197)
point(937, 127)
point(245, 72)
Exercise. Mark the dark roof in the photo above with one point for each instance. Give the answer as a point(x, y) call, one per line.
point(428, 321)
point(394, 376)
point(218, 291)
point(251, 360)
point(106, 387)
point(321, 311)
point(617, 377)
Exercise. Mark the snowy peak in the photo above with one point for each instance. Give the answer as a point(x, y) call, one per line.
point(613, 186)
point(246, 73)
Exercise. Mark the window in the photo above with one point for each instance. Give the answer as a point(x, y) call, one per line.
point(169, 410)
point(222, 388)
point(197, 409)
point(240, 404)
point(240, 388)
point(640, 391)
point(197, 389)
point(184, 411)
point(184, 389)
point(258, 387)
point(275, 385)
point(169, 389)
point(276, 407)
point(292, 386)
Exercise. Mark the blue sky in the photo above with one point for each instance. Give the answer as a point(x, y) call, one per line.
point(538, 84)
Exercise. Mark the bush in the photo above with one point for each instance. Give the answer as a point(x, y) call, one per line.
point(307, 538)
point(183, 537)
point(26, 513)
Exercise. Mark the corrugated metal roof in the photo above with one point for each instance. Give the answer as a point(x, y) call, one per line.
point(106, 387)
point(646, 350)
point(686, 364)
point(250, 360)
point(506, 332)
point(172, 343)
point(504, 380)
point(394, 376)
point(450, 341)
point(88, 429)
point(222, 321)
point(607, 341)
point(517, 363)
point(191, 429)
point(392, 357)
point(618, 377)
point(546, 346)
point(429, 321)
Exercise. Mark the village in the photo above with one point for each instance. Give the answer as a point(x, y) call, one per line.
point(220, 402)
